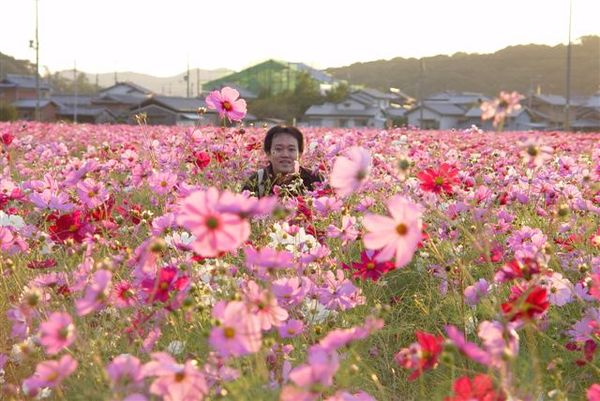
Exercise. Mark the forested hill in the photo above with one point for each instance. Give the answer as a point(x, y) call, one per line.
point(10, 65)
point(521, 68)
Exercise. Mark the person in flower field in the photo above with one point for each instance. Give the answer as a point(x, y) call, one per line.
point(283, 175)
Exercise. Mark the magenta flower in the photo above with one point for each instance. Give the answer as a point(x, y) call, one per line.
point(239, 331)
point(49, 374)
point(397, 236)
point(96, 293)
point(350, 171)
point(215, 231)
point(174, 381)
point(57, 332)
point(167, 283)
point(227, 104)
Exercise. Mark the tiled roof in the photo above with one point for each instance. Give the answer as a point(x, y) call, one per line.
point(176, 103)
point(31, 103)
point(25, 81)
point(331, 109)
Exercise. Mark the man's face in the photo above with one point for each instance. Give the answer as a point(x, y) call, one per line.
point(284, 154)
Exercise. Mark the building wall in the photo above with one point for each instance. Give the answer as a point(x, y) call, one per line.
point(47, 114)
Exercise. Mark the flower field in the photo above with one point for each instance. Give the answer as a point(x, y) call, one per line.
point(430, 265)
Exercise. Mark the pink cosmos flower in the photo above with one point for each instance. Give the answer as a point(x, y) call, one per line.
point(125, 372)
point(475, 292)
point(174, 381)
point(215, 231)
point(91, 193)
point(49, 374)
point(57, 332)
point(398, 235)
point(350, 171)
point(501, 107)
point(239, 331)
point(320, 369)
point(593, 393)
point(338, 292)
point(227, 104)
point(291, 328)
point(347, 232)
point(291, 291)
point(264, 306)
point(96, 293)
point(163, 182)
point(265, 261)
point(123, 295)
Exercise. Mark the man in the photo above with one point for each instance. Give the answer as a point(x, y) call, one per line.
point(283, 176)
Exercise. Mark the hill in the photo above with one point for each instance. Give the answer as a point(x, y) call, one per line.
point(174, 86)
point(521, 68)
point(10, 65)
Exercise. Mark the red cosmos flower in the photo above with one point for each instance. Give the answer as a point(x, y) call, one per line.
point(535, 303)
point(525, 268)
point(159, 289)
point(480, 388)
point(41, 264)
point(72, 225)
point(368, 267)
point(440, 180)
point(7, 138)
point(201, 159)
point(422, 355)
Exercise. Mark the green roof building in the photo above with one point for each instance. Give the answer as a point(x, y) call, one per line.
point(269, 78)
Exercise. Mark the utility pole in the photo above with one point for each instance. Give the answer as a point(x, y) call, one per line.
point(421, 73)
point(37, 65)
point(197, 82)
point(187, 79)
point(568, 97)
point(75, 85)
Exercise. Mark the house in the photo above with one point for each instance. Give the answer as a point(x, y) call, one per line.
point(26, 109)
point(364, 107)
point(173, 110)
point(19, 87)
point(518, 120)
point(444, 110)
point(81, 109)
point(120, 98)
point(346, 114)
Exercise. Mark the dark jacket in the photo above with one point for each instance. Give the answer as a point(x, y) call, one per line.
point(262, 182)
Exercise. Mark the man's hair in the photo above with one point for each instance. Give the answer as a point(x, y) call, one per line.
point(280, 129)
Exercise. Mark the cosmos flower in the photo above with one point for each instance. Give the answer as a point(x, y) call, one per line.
point(227, 104)
point(397, 236)
point(350, 171)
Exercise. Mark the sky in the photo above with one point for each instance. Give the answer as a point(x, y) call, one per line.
point(161, 37)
